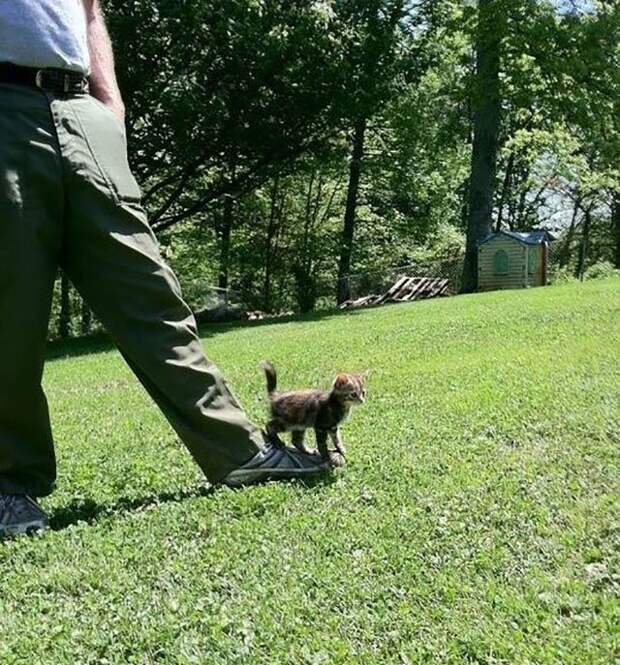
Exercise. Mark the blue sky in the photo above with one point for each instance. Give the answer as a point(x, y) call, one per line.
point(567, 6)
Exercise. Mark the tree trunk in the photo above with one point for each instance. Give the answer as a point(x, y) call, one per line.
point(519, 217)
point(583, 248)
point(505, 190)
point(343, 290)
point(86, 318)
point(64, 317)
point(272, 229)
point(464, 195)
point(566, 247)
point(516, 206)
point(225, 232)
point(491, 19)
point(615, 216)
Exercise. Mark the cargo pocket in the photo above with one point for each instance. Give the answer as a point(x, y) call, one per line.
point(105, 135)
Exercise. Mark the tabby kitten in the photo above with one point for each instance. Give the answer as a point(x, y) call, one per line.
point(296, 411)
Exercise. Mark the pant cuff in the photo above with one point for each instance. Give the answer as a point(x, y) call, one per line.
point(34, 490)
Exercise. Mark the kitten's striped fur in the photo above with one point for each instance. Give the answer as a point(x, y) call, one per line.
point(324, 411)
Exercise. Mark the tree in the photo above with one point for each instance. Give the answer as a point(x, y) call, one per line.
point(615, 220)
point(64, 316)
point(487, 106)
point(207, 83)
point(371, 62)
point(225, 233)
point(355, 171)
point(286, 148)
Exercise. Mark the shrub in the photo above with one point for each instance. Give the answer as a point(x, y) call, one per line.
point(563, 276)
point(601, 270)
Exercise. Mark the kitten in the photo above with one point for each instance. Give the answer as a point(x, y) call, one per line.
point(296, 411)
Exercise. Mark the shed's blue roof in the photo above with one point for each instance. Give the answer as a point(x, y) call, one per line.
point(536, 237)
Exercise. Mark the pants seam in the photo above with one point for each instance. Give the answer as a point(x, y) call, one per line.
point(61, 164)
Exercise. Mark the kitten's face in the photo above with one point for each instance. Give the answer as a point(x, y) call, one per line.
point(351, 387)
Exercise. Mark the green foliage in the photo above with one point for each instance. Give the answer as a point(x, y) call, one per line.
point(187, 250)
point(477, 510)
point(563, 275)
point(561, 135)
point(247, 97)
point(240, 91)
point(601, 270)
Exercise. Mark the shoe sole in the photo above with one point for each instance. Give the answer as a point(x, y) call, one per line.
point(242, 477)
point(28, 528)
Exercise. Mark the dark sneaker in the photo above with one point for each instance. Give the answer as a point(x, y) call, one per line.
point(20, 514)
point(274, 463)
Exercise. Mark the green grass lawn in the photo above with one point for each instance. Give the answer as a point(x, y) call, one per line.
point(476, 522)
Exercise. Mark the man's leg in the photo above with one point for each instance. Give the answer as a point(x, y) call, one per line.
point(30, 237)
point(113, 260)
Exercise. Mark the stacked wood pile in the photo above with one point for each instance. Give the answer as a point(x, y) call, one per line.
point(405, 289)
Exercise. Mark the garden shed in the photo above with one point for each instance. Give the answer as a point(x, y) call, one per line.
point(513, 260)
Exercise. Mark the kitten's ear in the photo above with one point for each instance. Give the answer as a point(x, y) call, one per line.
point(341, 381)
point(364, 375)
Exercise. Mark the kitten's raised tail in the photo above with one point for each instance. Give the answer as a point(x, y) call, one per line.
point(270, 373)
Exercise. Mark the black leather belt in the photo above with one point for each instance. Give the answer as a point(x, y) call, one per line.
point(57, 81)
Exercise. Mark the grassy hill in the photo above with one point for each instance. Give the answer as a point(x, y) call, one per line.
point(475, 522)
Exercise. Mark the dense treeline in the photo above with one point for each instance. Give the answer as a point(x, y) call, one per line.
point(290, 151)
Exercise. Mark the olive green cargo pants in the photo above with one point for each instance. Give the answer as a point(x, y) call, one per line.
point(68, 198)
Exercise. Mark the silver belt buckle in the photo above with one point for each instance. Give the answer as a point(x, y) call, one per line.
point(66, 82)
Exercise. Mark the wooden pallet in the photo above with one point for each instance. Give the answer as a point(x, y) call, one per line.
point(405, 289)
point(365, 301)
point(397, 287)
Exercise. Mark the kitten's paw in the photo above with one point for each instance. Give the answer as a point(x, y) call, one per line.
point(336, 460)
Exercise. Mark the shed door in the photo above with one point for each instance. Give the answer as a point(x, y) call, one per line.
point(500, 262)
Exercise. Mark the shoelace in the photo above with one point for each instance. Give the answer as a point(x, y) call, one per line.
point(6, 500)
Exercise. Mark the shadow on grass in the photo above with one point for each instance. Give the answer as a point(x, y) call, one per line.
point(101, 342)
point(79, 346)
point(89, 511)
point(211, 330)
